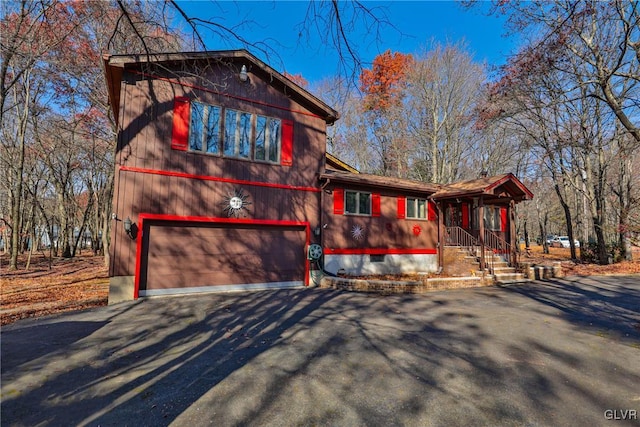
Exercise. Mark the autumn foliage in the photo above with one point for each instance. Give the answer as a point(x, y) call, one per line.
point(383, 83)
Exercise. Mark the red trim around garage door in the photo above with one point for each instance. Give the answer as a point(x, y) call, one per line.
point(381, 251)
point(220, 220)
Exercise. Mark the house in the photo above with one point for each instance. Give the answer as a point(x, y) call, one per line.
point(223, 182)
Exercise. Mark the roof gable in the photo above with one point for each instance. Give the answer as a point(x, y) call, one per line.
point(115, 66)
point(500, 185)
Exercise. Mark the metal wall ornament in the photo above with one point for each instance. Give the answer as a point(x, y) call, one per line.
point(357, 232)
point(417, 230)
point(236, 204)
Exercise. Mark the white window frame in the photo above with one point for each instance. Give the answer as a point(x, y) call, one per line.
point(269, 139)
point(416, 205)
point(204, 129)
point(357, 202)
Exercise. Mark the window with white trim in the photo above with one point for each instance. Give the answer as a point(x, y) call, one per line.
point(416, 208)
point(357, 203)
point(268, 139)
point(241, 134)
point(204, 131)
point(492, 219)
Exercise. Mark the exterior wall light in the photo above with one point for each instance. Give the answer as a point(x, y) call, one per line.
point(243, 74)
point(129, 227)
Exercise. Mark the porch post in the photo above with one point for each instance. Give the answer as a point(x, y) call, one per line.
point(511, 214)
point(481, 236)
point(440, 235)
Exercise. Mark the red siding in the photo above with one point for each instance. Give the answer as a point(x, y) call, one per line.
point(180, 134)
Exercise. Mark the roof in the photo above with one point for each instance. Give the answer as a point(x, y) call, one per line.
point(378, 181)
point(336, 163)
point(491, 186)
point(116, 64)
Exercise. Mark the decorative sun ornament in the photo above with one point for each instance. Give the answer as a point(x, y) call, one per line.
point(357, 232)
point(234, 203)
point(417, 230)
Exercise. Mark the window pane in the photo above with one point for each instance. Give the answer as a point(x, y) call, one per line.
point(245, 135)
point(422, 208)
point(230, 133)
point(411, 208)
point(195, 133)
point(213, 129)
point(274, 140)
point(261, 129)
point(350, 202)
point(365, 204)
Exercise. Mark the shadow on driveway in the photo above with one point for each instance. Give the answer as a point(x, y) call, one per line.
point(485, 356)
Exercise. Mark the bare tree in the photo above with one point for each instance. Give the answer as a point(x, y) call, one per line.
point(444, 88)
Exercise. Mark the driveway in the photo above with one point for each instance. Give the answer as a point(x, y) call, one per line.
point(560, 352)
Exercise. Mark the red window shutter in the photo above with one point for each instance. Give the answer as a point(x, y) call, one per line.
point(432, 214)
point(286, 157)
point(503, 219)
point(465, 216)
point(375, 204)
point(181, 112)
point(402, 208)
point(338, 201)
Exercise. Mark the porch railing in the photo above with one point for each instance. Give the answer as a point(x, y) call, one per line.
point(458, 236)
point(500, 247)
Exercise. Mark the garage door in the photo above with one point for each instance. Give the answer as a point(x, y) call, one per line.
point(179, 257)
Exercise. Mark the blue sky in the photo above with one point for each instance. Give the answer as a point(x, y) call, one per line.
point(417, 23)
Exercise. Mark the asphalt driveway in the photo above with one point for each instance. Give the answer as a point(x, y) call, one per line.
point(554, 353)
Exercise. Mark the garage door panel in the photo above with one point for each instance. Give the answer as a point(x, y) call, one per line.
point(183, 256)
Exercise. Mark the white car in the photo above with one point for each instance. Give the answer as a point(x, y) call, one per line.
point(563, 242)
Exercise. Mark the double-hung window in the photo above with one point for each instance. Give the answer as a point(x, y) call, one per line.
point(357, 203)
point(416, 208)
point(204, 133)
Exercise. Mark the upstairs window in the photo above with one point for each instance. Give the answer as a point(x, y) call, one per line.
point(204, 132)
point(213, 129)
point(416, 208)
point(237, 134)
point(357, 203)
point(268, 139)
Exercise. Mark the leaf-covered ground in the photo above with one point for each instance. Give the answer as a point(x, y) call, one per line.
point(571, 268)
point(70, 284)
point(82, 282)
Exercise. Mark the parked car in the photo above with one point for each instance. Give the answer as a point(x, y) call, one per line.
point(563, 242)
point(550, 238)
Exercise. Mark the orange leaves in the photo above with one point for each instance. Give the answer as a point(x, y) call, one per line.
point(382, 83)
point(297, 79)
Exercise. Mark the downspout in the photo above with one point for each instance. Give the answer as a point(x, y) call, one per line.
point(481, 236)
point(440, 237)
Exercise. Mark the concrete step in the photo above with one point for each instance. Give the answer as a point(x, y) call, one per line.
point(503, 270)
point(509, 277)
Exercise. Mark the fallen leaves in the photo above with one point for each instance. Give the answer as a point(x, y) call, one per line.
point(70, 284)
